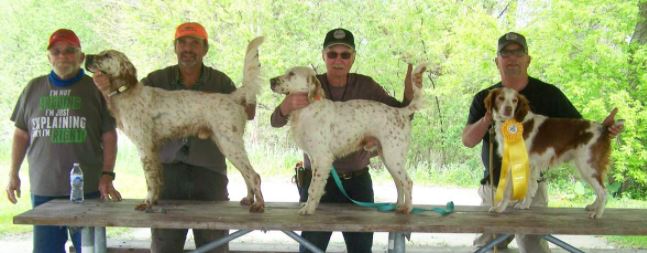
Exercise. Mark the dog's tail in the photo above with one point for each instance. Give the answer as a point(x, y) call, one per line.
point(418, 101)
point(246, 94)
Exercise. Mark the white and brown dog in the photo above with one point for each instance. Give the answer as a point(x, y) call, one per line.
point(327, 130)
point(551, 141)
point(149, 116)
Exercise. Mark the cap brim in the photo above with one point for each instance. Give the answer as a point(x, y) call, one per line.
point(339, 43)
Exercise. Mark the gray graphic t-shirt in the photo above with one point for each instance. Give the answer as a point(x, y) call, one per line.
point(65, 125)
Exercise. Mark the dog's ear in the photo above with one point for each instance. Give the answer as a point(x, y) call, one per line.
point(489, 99)
point(315, 92)
point(128, 74)
point(522, 109)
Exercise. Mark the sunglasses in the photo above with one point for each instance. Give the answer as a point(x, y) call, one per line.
point(516, 52)
point(344, 55)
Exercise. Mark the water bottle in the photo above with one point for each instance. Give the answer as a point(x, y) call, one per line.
point(76, 183)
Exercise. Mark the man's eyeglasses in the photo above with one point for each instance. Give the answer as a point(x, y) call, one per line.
point(66, 51)
point(344, 55)
point(516, 52)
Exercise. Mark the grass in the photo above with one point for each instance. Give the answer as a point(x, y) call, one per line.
point(272, 162)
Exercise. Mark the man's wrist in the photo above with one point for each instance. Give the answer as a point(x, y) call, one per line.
point(111, 174)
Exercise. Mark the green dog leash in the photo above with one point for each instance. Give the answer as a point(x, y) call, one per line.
point(390, 207)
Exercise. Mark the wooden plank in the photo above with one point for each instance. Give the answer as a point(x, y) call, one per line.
point(335, 217)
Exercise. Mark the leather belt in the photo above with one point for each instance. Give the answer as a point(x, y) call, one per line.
point(350, 174)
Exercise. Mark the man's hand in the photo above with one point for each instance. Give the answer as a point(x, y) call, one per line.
point(610, 123)
point(102, 82)
point(293, 102)
point(13, 189)
point(107, 190)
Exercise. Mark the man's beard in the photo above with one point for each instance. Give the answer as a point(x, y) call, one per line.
point(188, 59)
point(64, 70)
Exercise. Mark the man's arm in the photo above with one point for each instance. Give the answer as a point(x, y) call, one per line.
point(107, 190)
point(290, 103)
point(474, 133)
point(18, 151)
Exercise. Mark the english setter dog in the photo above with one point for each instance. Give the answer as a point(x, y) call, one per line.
point(327, 130)
point(551, 141)
point(149, 116)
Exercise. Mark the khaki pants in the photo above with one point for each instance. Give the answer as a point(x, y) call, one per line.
point(526, 243)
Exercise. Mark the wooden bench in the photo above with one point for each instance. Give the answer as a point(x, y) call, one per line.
point(335, 217)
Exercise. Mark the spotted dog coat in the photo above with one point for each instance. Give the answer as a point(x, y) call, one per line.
point(327, 130)
point(149, 116)
point(551, 141)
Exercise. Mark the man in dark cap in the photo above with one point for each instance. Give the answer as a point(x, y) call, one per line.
point(340, 85)
point(513, 60)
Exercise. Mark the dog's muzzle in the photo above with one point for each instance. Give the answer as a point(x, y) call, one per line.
point(274, 82)
point(89, 63)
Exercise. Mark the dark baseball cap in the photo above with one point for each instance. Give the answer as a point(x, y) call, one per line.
point(339, 36)
point(512, 37)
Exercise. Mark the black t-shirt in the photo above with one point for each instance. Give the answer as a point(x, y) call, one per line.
point(545, 99)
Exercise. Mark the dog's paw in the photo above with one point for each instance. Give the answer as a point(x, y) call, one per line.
point(142, 207)
point(595, 215)
point(246, 202)
point(522, 205)
point(306, 210)
point(496, 209)
point(590, 207)
point(257, 208)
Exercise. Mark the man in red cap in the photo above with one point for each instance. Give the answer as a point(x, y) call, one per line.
point(62, 119)
point(194, 169)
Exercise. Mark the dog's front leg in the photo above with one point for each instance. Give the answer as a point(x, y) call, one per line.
point(533, 185)
point(153, 174)
point(320, 174)
point(507, 195)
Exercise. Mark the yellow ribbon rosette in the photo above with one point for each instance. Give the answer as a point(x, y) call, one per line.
point(515, 161)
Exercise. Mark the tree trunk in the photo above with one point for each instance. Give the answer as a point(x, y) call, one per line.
point(640, 33)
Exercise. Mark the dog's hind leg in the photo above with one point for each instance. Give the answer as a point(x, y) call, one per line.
point(593, 177)
point(233, 148)
point(321, 166)
point(394, 157)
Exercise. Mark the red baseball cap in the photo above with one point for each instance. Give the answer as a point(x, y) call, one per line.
point(66, 35)
point(192, 29)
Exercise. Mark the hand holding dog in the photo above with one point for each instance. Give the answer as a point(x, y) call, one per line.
point(102, 82)
point(610, 122)
point(293, 101)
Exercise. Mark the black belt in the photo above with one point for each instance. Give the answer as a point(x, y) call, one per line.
point(350, 174)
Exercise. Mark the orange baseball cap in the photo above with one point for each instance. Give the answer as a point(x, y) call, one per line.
point(66, 35)
point(192, 29)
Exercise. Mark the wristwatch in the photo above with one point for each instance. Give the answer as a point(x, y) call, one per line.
point(109, 173)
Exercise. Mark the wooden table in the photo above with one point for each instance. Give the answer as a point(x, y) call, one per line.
point(335, 217)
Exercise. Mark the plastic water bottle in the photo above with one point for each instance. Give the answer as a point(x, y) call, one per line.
point(76, 183)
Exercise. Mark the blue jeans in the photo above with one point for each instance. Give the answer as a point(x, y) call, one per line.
point(359, 188)
point(51, 239)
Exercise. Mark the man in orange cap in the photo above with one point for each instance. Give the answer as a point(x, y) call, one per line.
point(194, 169)
point(62, 119)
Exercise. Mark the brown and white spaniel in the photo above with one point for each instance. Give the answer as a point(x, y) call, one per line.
point(551, 141)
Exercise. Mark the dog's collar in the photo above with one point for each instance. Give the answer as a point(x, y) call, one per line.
point(119, 90)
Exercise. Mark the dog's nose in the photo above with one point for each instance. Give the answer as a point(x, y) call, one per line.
point(274, 82)
point(507, 111)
